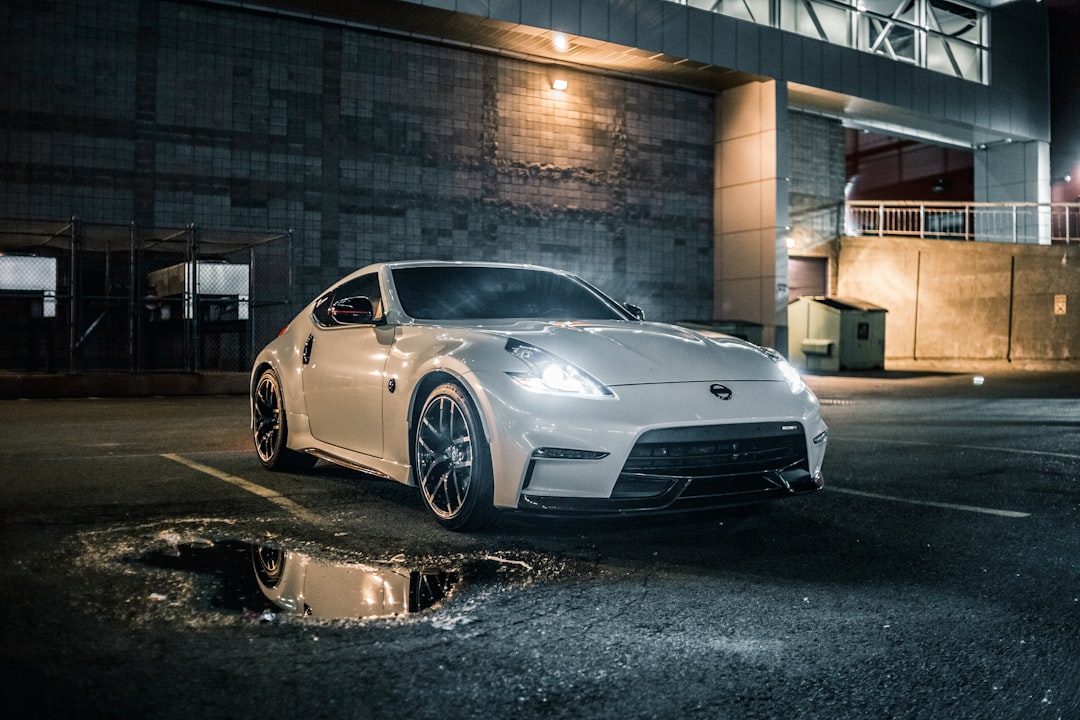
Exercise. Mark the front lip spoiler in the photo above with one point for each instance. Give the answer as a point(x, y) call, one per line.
point(778, 485)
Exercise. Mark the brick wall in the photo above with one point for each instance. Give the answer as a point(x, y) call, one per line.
point(369, 147)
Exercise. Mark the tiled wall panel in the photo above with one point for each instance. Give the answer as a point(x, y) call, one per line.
point(369, 147)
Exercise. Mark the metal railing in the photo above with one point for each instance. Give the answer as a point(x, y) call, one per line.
point(1022, 223)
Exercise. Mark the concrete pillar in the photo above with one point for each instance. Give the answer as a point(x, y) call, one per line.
point(751, 208)
point(1010, 173)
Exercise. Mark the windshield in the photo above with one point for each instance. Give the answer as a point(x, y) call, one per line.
point(472, 292)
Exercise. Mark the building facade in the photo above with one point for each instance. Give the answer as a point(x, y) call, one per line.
point(666, 165)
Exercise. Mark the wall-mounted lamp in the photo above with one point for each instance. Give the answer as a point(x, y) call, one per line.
point(994, 143)
point(559, 84)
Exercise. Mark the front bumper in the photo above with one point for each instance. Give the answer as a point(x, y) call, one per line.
point(697, 467)
point(655, 447)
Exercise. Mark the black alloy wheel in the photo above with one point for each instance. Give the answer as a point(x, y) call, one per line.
point(271, 432)
point(452, 461)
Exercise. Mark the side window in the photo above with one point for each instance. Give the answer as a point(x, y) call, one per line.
point(365, 285)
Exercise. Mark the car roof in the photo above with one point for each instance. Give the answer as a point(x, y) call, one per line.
point(393, 265)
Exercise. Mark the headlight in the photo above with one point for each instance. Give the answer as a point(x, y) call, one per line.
point(550, 374)
point(794, 380)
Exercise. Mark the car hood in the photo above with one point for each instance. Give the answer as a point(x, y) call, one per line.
point(634, 353)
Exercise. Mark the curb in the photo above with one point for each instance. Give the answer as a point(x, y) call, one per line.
point(72, 385)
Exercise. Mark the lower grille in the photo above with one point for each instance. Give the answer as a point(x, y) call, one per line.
point(716, 460)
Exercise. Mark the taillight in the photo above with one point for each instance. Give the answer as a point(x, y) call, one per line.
point(283, 331)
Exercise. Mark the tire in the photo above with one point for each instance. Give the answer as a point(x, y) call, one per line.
point(269, 565)
point(452, 461)
point(271, 433)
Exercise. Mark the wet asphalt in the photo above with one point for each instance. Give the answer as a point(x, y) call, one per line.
point(936, 575)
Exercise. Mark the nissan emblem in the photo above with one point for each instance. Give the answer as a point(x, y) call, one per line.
point(721, 391)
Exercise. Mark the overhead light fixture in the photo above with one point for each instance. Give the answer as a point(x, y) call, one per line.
point(559, 42)
point(559, 84)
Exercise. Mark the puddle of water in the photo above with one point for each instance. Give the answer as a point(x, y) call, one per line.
point(260, 581)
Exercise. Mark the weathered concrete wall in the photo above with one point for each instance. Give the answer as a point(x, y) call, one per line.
point(368, 146)
point(967, 301)
point(1040, 278)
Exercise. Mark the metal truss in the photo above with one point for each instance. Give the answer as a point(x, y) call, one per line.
point(946, 36)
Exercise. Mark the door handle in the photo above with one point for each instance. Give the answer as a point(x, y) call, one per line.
point(306, 357)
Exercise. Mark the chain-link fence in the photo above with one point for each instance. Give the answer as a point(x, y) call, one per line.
point(78, 296)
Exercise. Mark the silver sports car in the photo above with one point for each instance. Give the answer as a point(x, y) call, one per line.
point(495, 387)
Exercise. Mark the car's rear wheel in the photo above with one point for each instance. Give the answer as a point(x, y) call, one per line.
point(452, 461)
point(271, 430)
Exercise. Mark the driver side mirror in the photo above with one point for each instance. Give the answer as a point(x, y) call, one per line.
point(352, 311)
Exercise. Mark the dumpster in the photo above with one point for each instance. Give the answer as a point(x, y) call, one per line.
point(742, 329)
point(832, 334)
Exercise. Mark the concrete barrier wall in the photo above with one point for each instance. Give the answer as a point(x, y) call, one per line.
point(967, 301)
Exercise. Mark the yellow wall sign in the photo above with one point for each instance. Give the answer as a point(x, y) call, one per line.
point(1060, 304)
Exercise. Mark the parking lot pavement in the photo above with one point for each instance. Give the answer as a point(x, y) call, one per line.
point(927, 383)
point(934, 576)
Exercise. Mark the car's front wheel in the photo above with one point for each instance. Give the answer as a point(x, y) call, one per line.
point(271, 430)
point(452, 461)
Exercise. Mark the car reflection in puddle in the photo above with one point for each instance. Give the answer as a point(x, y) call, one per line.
point(296, 584)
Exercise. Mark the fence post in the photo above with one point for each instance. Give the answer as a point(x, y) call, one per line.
point(133, 300)
point(251, 307)
point(289, 266)
point(75, 291)
point(191, 301)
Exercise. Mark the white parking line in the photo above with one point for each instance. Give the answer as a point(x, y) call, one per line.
point(985, 448)
point(930, 503)
point(274, 497)
point(952, 506)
